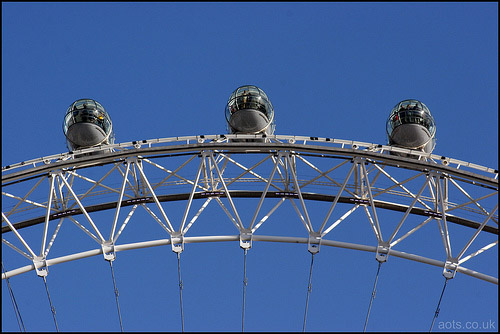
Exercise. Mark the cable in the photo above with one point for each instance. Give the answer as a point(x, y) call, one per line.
point(245, 282)
point(50, 302)
point(374, 291)
point(116, 295)
point(180, 288)
point(309, 289)
point(14, 304)
point(439, 303)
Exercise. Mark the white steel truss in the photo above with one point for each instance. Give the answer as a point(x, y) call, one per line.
point(193, 171)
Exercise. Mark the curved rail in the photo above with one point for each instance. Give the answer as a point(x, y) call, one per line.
point(236, 238)
point(323, 141)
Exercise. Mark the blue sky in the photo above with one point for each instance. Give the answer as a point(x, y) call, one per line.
point(330, 69)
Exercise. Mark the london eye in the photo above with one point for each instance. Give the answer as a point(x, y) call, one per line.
point(344, 205)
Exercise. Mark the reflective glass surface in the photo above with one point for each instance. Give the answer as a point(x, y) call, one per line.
point(250, 97)
point(89, 111)
point(411, 112)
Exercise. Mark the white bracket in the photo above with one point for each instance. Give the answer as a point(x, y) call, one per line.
point(445, 161)
point(437, 174)
point(450, 268)
point(40, 266)
point(177, 242)
point(358, 160)
point(246, 239)
point(130, 160)
point(382, 252)
point(108, 250)
point(314, 242)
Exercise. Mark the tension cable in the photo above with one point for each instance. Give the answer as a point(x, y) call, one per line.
point(52, 308)
point(374, 291)
point(439, 303)
point(116, 294)
point(245, 282)
point(309, 288)
point(14, 304)
point(180, 288)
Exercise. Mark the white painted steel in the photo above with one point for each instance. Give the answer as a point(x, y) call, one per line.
point(222, 173)
point(266, 238)
point(274, 138)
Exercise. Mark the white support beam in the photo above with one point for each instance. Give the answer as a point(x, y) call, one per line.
point(475, 201)
point(309, 229)
point(409, 210)
point(299, 193)
point(171, 173)
point(170, 228)
point(191, 195)
point(282, 200)
point(16, 249)
point(84, 229)
point(338, 221)
point(13, 229)
point(205, 204)
point(372, 204)
point(85, 213)
point(322, 174)
point(125, 222)
point(341, 190)
point(249, 170)
point(266, 189)
point(59, 203)
point(400, 185)
point(442, 203)
point(24, 199)
point(119, 204)
point(155, 217)
point(233, 220)
point(228, 195)
point(283, 179)
point(95, 183)
point(51, 242)
point(479, 229)
point(413, 230)
point(485, 248)
point(52, 178)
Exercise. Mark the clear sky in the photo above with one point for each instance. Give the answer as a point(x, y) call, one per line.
point(330, 69)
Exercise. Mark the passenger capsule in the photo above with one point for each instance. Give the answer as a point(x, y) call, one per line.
point(411, 125)
point(249, 111)
point(87, 124)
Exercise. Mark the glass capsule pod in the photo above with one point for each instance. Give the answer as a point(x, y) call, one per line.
point(411, 125)
point(87, 124)
point(249, 111)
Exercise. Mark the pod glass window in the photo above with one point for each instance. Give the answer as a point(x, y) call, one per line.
point(410, 112)
point(87, 111)
point(249, 97)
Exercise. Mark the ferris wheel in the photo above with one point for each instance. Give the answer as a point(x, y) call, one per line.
point(105, 199)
